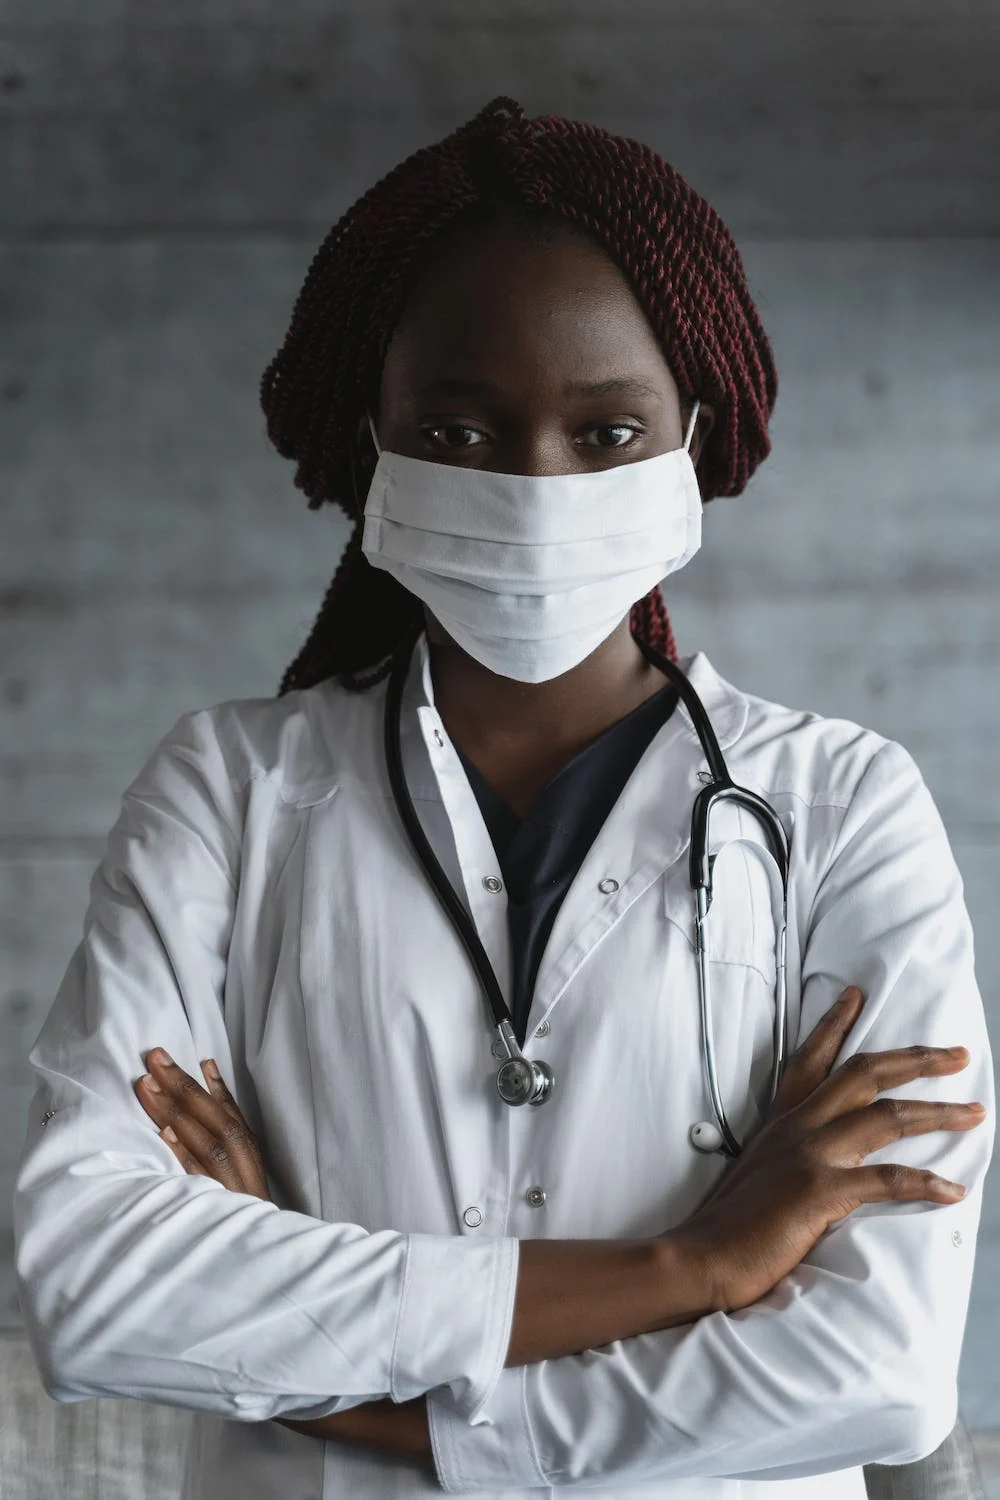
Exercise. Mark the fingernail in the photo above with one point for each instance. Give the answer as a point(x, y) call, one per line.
point(169, 1134)
point(151, 1083)
point(957, 1051)
point(210, 1068)
point(949, 1189)
point(164, 1058)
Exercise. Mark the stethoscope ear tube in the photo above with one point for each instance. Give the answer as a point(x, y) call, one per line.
point(729, 1145)
point(706, 1136)
point(701, 862)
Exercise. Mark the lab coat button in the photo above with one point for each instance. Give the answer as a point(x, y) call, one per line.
point(956, 1237)
point(499, 1050)
point(535, 1196)
point(438, 737)
point(492, 884)
point(608, 886)
point(473, 1217)
point(542, 1029)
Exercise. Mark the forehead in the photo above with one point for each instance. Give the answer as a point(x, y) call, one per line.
point(516, 306)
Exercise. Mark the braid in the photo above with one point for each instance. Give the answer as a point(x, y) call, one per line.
point(361, 599)
point(650, 622)
point(670, 243)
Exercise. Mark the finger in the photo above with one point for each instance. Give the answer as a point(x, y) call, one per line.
point(892, 1182)
point(860, 1080)
point(216, 1085)
point(195, 1100)
point(848, 1140)
point(199, 1143)
point(183, 1155)
point(222, 1144)
point(811, 1063)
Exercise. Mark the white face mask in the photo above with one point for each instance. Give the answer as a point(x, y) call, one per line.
point(529, 573)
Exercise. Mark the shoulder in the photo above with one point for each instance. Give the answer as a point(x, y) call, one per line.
point(797, 752)
point(302, 743)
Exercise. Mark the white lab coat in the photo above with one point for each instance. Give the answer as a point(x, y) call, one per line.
point(259, 903)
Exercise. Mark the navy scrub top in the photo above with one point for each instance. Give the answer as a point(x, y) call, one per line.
point(540, 854)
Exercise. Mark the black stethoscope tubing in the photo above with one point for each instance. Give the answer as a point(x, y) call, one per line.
point(422, 848)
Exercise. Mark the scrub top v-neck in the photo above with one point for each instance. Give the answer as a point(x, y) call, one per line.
point(540, 853)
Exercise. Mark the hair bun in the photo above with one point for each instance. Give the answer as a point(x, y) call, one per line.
point(497, 116)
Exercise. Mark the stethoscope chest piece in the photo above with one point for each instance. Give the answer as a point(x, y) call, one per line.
point(520, 1081)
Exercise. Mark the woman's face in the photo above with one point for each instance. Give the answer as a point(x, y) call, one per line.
point(527, 355)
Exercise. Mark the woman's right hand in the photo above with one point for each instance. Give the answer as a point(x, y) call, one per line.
point(805, 1169)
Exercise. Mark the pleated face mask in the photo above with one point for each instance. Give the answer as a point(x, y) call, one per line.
point(529, 573)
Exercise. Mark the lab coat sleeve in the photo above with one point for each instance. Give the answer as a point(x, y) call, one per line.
point(136, 1279)
point(853, 1357)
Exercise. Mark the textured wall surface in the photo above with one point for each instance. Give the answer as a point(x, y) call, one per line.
point(165, 176)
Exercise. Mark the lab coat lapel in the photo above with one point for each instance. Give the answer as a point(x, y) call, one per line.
point(646, 832)
point(460, 839)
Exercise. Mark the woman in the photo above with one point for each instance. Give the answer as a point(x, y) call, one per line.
point(520, 363)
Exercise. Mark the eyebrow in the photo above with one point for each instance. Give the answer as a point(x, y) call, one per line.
point(618, 385)
point(446, 387)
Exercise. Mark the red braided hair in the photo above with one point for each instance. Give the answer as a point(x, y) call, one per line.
point(671, 244)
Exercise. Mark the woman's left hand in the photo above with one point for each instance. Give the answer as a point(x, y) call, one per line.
point(203, 1127)
point(207, 1133)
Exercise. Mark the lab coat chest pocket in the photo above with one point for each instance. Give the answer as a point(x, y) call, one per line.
point(742, 931)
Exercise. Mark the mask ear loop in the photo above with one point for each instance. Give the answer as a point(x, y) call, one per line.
point(690, 431)
point(358, 507)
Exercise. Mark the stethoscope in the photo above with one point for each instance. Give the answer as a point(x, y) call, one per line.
point(520, 1080)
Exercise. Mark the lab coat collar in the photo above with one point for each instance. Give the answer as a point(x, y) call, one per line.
point(346, 754)
point(726, 706)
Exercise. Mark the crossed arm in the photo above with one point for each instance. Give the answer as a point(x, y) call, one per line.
point(796, 1247)
point(577, 1295)
point(704, 1300)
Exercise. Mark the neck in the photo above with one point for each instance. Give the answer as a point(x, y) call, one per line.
point(498, 721)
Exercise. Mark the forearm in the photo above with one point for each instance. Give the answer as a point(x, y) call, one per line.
point(852, 1360)
point(399, 1429)
point(571, 1295)
point(574, 1295)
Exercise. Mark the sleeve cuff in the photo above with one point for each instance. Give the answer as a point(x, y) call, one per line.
point(455, 1316)
point(497, 1453)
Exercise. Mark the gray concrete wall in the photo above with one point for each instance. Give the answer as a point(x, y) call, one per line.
point(165, 176)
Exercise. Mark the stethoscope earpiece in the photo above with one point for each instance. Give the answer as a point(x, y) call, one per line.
point(705, 1136)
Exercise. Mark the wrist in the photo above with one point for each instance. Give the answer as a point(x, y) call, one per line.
point(689, 1278)
point(401, 1429)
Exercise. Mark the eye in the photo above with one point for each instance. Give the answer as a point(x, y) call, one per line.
point(453, 435)
point(612, 435)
